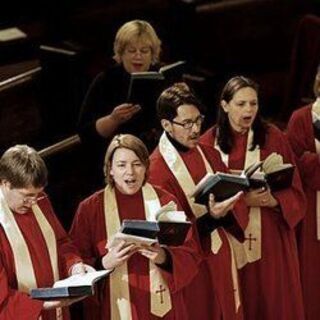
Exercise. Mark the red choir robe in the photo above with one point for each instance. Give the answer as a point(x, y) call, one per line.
point(18, 305)
point(271, 285)
point(211, 293)
point(301, 137)
point(89, 234)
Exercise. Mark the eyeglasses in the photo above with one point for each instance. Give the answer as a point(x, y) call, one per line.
point(188, 124)
point(27, 199)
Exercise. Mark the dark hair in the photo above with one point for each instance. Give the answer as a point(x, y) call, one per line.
point(23, 167)
point(174, 97)
point(127, 141)
point(224, 132)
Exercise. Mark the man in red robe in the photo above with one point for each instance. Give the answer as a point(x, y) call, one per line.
point(177, 165)
point(98, 219)
point(270, 276)
point(35, 251)
point(305, 141)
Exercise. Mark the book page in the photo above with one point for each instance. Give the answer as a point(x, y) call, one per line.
point(173, 216)
point(11, 34)
point(79, 280)
point(171, 66)
point(201, 184)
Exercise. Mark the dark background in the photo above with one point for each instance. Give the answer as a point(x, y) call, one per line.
point(275, 42)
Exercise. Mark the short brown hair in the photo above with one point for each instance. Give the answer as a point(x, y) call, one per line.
point(136, 29)
point(174, 97)
point(23, 167)
point(130, 142)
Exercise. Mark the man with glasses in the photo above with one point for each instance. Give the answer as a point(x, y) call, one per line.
point(177, 165)
point(35, 251)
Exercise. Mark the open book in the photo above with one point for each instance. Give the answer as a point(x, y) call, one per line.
point(221, 185)
point(274, 174)
point(153, 82)
point(169, 227)
point(75, 286)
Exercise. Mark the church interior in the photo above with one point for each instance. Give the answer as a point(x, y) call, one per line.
point(58, 47)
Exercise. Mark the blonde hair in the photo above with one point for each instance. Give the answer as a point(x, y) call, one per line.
point(127, 141)
point(132, 30)
point(23, 167)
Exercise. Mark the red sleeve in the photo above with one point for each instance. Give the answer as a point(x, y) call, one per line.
point(67, 252)
point(185, 258)
point(14, 304)
point(292, 201)
point(88, 230)
point(301, 138)
point(80, 232)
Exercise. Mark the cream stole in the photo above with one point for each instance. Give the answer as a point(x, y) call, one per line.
point(179, 170)
point(317, 146)
point(26, 278)
point(119, 279)
point(250, 249)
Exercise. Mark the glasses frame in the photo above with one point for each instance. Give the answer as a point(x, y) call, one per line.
point(188, 125)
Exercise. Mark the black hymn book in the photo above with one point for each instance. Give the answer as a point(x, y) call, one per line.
point(221, 185)
point(152, 83)
point(72, 287)
point(170, 227)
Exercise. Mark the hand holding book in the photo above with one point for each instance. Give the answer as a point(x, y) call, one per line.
point(275, 174)
point(168, 227)
point(76, 286)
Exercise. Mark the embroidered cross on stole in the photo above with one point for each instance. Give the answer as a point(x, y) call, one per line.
point(26, 278)
point(179, 170)
point(160, 298)
point(250, 249)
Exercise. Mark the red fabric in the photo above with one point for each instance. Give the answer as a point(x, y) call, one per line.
point(305, 58)
point(18, 305)
point(301, 137)
point(271, 286)
point(89, 233)
point(210, 295)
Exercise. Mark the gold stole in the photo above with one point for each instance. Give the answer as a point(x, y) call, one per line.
point(160, 299)
point(26, 278)
point(250, 249)
point(179, 170)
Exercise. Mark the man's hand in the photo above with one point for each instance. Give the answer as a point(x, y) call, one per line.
point(81, 268)
point(220, 209)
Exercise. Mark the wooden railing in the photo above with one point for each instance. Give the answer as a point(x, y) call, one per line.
point(60, 146)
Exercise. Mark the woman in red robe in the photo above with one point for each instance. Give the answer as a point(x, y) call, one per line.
point(268, 260)
point(146, 282)
point(305, 141)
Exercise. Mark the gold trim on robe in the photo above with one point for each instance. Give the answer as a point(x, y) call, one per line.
point(179, 170)
point(23, 263)
point(160, 298)
point(250, 250)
